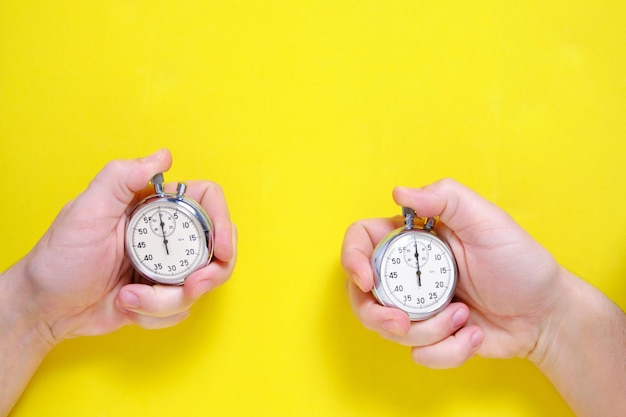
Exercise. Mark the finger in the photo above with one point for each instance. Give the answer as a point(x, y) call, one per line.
point(393, 324)
point(211, 197)
point(457, 206)
point(450, 352)
point(436, 328)
point(153, 300)
point(386, 321)
point(358, 244)
point(115, 186)
point(150, 322)
point(213, 275)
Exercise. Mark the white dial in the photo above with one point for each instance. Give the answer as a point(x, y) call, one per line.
point(168, 237)
point(415, 271)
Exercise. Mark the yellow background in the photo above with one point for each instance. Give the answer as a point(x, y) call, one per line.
point(308, 113)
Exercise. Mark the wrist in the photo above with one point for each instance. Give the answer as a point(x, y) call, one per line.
point(582, 346)
point(21, 319)
point(562, 325)
point(24, 338)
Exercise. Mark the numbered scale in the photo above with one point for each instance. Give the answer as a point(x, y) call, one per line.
point(168, 236)
point(414, 269)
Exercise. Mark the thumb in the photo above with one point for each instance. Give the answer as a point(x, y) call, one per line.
point(115, 186)
point(457, 206)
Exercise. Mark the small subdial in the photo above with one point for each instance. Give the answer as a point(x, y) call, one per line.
point(162, 223)
point(416, 252)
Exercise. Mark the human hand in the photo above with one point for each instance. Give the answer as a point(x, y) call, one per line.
point(77, 279)
point(508, 283)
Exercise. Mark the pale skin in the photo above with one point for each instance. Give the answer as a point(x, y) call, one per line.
point(76, 281)
point(514, 300)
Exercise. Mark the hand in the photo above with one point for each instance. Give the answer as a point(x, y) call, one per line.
point(508, 283)
point(77, 279)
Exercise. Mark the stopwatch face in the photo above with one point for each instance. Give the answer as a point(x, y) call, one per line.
point(415, 271)
point(166, 241)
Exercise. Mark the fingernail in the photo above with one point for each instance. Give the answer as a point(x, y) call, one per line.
point(392, 326)
point(477, 339)
point(130, 300)
point(355, 278)
point(154, 157)
point(203, 287)
point(459, 318)
point(402, 188)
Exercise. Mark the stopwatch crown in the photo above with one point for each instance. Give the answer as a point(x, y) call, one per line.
point(157, 181)
point(409, 215)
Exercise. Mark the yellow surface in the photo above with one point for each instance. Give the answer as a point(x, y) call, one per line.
point(308, 113)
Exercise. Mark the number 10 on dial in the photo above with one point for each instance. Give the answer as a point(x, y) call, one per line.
point(414, 270)
point(168, 236)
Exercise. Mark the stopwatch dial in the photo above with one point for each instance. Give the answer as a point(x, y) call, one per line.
point(167, 242)
point(418, 286)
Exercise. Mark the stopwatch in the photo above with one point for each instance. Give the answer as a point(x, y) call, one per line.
point(168, 235)
point(414, 269)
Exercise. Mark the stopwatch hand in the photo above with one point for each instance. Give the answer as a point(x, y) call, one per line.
point(167, 251)
point(417, 263)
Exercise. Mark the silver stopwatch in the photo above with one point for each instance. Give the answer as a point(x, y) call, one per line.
point(168, 235)
point(414, 269)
